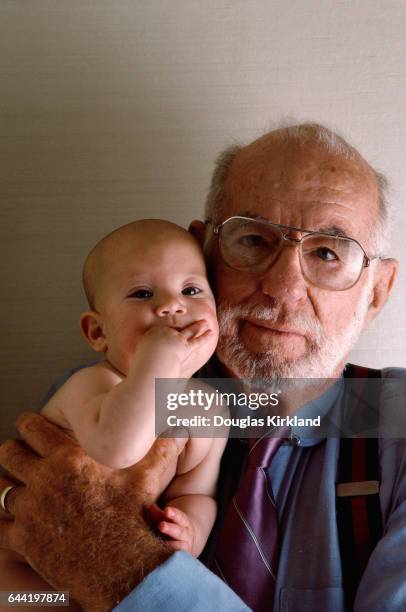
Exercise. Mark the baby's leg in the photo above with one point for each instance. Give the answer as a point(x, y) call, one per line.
point(17, 575)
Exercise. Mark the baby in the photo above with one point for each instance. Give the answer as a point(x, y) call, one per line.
point(153, 315)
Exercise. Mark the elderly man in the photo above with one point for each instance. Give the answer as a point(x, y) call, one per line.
point(295, 237)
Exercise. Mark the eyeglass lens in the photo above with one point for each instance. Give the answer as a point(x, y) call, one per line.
point(330, 262)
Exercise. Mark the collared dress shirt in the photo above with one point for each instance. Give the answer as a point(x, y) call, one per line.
point(309, 578)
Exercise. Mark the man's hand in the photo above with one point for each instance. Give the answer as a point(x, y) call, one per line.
point(78, 523)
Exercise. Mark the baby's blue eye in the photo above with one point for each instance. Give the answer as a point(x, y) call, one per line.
point(141, 294)
point(191, 291)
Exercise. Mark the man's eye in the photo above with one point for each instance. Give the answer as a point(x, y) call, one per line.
point(325, 254)
point(141, 294)
point(191, 291)
point(251, 240)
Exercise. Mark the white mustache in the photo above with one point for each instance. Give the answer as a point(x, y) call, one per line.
point(228, 313)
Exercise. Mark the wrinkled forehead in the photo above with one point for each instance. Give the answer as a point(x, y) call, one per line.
point(302, 186)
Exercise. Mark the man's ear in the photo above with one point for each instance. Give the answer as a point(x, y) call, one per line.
point(198, 230)
point(91, 326)
point(384, 281)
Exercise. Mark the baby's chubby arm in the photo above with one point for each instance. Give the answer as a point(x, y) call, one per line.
point(190, 509)
point(113, 417)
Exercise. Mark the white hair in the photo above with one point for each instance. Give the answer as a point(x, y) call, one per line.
point(323, 355)
point(303, 134)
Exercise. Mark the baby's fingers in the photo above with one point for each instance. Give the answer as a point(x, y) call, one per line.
point(179, 528)
point(198, 341)
point(177, 516)
point(194, 330)
point(172, 530)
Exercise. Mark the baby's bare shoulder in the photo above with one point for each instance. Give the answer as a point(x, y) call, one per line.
point(82, 386)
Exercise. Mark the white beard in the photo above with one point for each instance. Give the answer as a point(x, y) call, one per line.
point(323, 354)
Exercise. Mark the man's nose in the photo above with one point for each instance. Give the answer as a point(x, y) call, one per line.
point(170, 305)
point(284, 279)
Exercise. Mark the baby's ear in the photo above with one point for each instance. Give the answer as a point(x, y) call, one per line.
point(91, 326)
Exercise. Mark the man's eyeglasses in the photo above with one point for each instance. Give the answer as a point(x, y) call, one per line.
point(327, 260)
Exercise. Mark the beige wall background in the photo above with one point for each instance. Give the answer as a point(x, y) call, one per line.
point(112, 110)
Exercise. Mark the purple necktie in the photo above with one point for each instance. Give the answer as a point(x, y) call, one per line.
point(247, 549)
